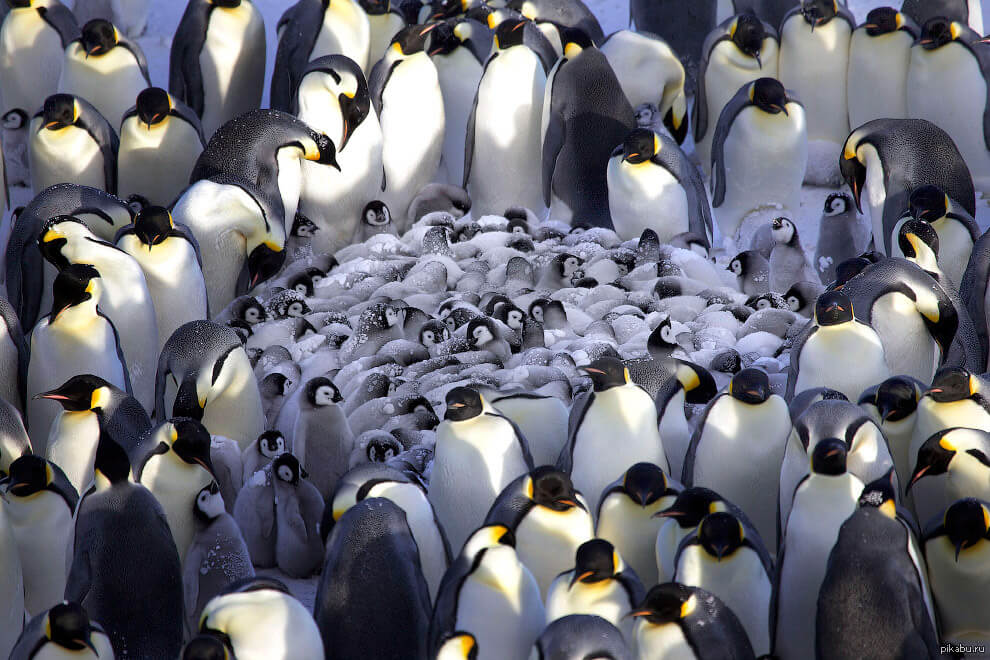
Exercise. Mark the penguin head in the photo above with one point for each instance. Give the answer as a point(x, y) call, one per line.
point(606, 373)
point(28, 475)
point(463, 403)
point(459, 644)
point(769, 95)
point(432, 333)
point(747, 33)
point(263, 262)
point(551, 488)
point(80, 393)
point(321, 392)
point(15, 4)
point(670, 602)
point(645, 483)
point(191, 442)
point(111, 463)
point(895, 399)
point(271, 443)
point(720, 534)
point(829, 457)
point(74, 285)
point(595, 561)
point(412, 39)
point(640, 146)
point(207, 647)
point(509, 32)
point(699, 386)
point(382, 447)
point(376, 214)
point(881, 494)
point(692, 505)
point(574, 40)
point(323, 150)
point(662, 340)
point(344, 79)
point(916, 238)
point(60, 111)
point(852, 170)
point(537, 309)
point(517, 224)
point(795, 297)
point(836, 204)
point(55, 236)
point(303, 227)
point(511, 316)
point(480, 331)
point(966, 522)
point(153, 106)
point(286, 468)
point(252, 311)
point(833, 308)
point(783, 231)
point(883, 20)
point(937, 32)
point(937, 452)
point(567, 265)
point(303, 285)
point(208, 504)
point(750, 386)
point(226, 4)
point(928, 203)
point(153, 225)
point(952, 384)
point(819, 12)
point(98, 37)
point(69, 626)
point(449, 34)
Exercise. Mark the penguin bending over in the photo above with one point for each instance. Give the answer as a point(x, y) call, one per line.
point(66, 630)
point(964, 11)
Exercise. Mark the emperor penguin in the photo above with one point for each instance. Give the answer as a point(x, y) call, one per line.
point(821, 503)
point(131, 16)
point(321, 438)
point(580, 636)
point(126, 299)
point(838, 351)
point(39, 503)
point(964, 11)
point(168, 255)
point(71, 142)
point(653, 185)
point(650, 73)
point(175, 471)
point(133, 586)
point(956, 546)
point(385, 19)
point(723, 456)
point(258, 618)
point(310, 29)
point(758, 154)
point(74, 338)
point(956, 398)
point(958, 454)
point(678, 621)
point(893, 406)
point(573, 14)
point(740, 50)
point(600, 584)
point(841, 235)
point(788, 261)
point(371, 571)
point(814, 62)
point(239, 214)
point(333, 99)
point(548, 518)
point(217, 60)
point(542, 419)
point(689, 384)
point(879, 58)
point(459, 48)
point(721, 557)
point(298, 510)
point(585, 116)
point(973, 290)
point(683, 28)
point(888, 158)
point(64, 630)
point(616, 410)
point(489, 593)
point(106, 67)
point(478, 453)
point(876, 557)
point(502, 153)
point(215, 383)
point(160, 140)
point(406, 94)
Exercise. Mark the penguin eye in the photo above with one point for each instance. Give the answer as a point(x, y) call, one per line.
point(284, 473)
point(763, 304)
point(389, 453)
point(251, 315)
point(301, 288)
point(793, 303)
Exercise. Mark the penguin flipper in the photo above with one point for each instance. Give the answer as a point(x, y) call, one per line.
point(377, 79)
point(120, 355)
point(469, 137)
point(775, 597)
point(190, 580)
point(974, 286)
point(565, 461)
point(62, 21)
point(139, 57)
point(700, 112)
point(185, 79)
point(724, 124)
point(687, 471)
point(80, 577)
point(553, 142)
point(105, 137)
point(520, 440)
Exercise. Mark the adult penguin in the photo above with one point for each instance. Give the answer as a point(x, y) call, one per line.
point(682, 26)
point(372, 577)
point(243, 190)
point(963, 11)
point(131, 16)
point(217, 60)
point(561, 14)
point(879, 57)
point(888, 158)
point(64, 630)
point(132, 586)
point(310, 29)
point(160, 140)
point(973, 290)
point(502, 147)
point(893, 406)
point(106, 67)
point(385, 19)
point(71, 142)
point(580, 636)
point(333, 99)
point(953, 464)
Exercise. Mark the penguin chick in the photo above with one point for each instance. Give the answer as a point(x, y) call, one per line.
point(801, 297)
point(841, 235)
point(483, 335)
point(263, 451)
point(788, 263)
point(298, 510)
point(752, 271)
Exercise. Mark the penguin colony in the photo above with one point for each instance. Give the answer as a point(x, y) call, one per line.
point(497, 331)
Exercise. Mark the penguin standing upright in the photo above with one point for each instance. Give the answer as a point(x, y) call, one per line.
point(879, 57)
point(160, 140)
point(502, 149)
point(893, 406)
point(954, 464)
point(321, 437)
point(385, 19)
point(405, 91)
point(788, 261)
point(217, 60)
point(298, 511)
point(841, 235)
point(759, 153)
point(106, 67)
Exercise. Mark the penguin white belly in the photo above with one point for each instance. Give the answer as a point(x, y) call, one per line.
point(156, 161)
point(42, 525)
point(632, 529)
point(814, 63)
point(382, 27)
point(174, 279)
point(68, 155)
point(51, 651)
point(955, 246)
point(232, 64)
point(742, 471)
point(878, 69)
point(662, 642)
point(812, 527)
point(631, 63)
point(236, 411)
point(72, 446)
point(960, 588)
point(547, 541)
point(665, 551)
point(266, 625)
point(459, 74)
point(645, 196)
point(607, 599)
point(727, 71)
point(290, 181)
point(975, 15)
point(111, 82)
point(898, 436)
point(765, 157)
point(543, 423)
point(26, 37)
point(875, 194)
point(345, 31)
point(675, 433)
point(11, 584)
point(506, 168)
point(739, 581)
point(948, 89)
point(967, 478)
point(847, 358)
point(624, 414)
point(175, 484)
point(907, 344)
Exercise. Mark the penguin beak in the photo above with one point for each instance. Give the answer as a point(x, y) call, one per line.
point(759, 60)
point(668, 513)
point(720, 552)
point(592, 370)
point(577, 578)
point(959, 547)
point(917, 475)
point(51, 395)
point(780, 108)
